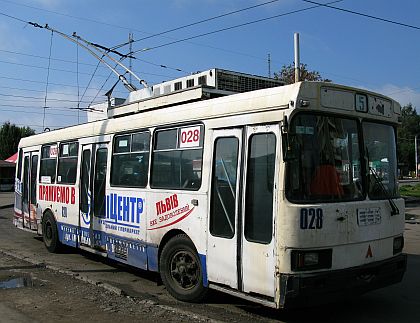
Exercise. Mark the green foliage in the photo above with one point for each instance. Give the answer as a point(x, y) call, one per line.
point(10, 136)
point(409, 128)
point(287, 74)
point(408, 190)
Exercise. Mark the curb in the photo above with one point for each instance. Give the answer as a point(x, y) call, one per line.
point(110, 288)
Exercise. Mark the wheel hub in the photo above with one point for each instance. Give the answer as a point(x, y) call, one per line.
point(184, 270)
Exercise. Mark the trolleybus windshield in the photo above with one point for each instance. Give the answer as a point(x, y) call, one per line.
point(328, 163)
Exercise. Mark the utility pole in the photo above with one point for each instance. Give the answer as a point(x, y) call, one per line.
point(130, 40)
point(297, 58)
point(269, 65)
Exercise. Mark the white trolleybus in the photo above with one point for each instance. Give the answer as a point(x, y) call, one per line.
point(280, 194)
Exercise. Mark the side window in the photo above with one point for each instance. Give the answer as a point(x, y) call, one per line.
point(223, 192)
point(34, 169)
point(99, 182)
point(177, 158)
point(130, 160)
point(259, 188)
point(67, 163)
point(84, 182)
point(25, 192)
point(48, 164)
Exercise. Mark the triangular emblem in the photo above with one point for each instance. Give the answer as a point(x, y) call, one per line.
point(369, 253)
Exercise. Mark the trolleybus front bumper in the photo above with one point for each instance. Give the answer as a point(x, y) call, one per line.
point(323, 287)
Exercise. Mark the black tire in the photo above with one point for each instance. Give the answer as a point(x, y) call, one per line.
point(181, 271)
point(50, 233)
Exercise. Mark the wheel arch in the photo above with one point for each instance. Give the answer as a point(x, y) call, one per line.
point(166, 238)
point(50, 231)
point(44, 212)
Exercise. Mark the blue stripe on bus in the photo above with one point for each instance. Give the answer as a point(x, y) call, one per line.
point(139, 254)
point(153, 258)
point(204, 268)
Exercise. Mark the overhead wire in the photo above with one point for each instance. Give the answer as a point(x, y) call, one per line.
point(36, 107)
point(200, 22)
point(72, 16)
point(44, 68)
point(130, 29)
point(41, 99)
point(43, 57)
point(230, 27)
point(328, 5)
point(87, 86)
point(317, 4)
point(73, 72)
point(48, 76)
point(101, 88)
point(39, 91)
point(35, 112)
point(43, 82)
point(192, 24)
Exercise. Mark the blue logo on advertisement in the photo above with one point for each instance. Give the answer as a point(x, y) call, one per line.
point(124, 210)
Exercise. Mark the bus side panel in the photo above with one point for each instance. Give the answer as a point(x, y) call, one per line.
point(63, 201)
point(125, 226)
point(177, 210)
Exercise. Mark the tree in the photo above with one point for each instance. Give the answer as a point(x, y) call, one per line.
point(409, 128)
point(287, 74)
point(10, 135)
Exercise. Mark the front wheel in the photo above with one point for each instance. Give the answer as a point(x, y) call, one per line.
point(50, 233)
point(181, 271)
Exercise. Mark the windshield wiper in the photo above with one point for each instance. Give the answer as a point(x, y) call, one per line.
point(385, 190)
point(395, 210)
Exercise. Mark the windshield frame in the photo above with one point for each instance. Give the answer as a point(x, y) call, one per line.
point(363, 189)
point(387, 194)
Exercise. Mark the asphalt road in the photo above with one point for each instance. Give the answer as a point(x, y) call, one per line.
point(397, 303)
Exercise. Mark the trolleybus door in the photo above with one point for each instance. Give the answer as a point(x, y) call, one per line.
point(92, 195)
point(29, 188)
point(223, 238)
point(259, 200)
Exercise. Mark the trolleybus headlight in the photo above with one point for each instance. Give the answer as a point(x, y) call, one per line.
point(398, 244)
point(311, 259)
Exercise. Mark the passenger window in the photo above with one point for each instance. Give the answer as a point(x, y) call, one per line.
point(130, 160)
point(67, 163)
point(177, 158)
point(48, 164)
point(34, 169)
point(223, 192)
point(259, 188)
point(99, 182)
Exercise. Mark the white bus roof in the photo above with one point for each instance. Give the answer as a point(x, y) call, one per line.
point(319, 95)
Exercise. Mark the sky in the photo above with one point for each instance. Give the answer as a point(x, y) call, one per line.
point(40, 68)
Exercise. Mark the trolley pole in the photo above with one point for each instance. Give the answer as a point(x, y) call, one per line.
point(415, 155)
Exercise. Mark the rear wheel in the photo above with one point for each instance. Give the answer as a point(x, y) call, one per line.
point(181, 271)
point(50, 233)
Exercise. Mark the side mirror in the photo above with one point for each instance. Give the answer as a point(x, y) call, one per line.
point(289, 144)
